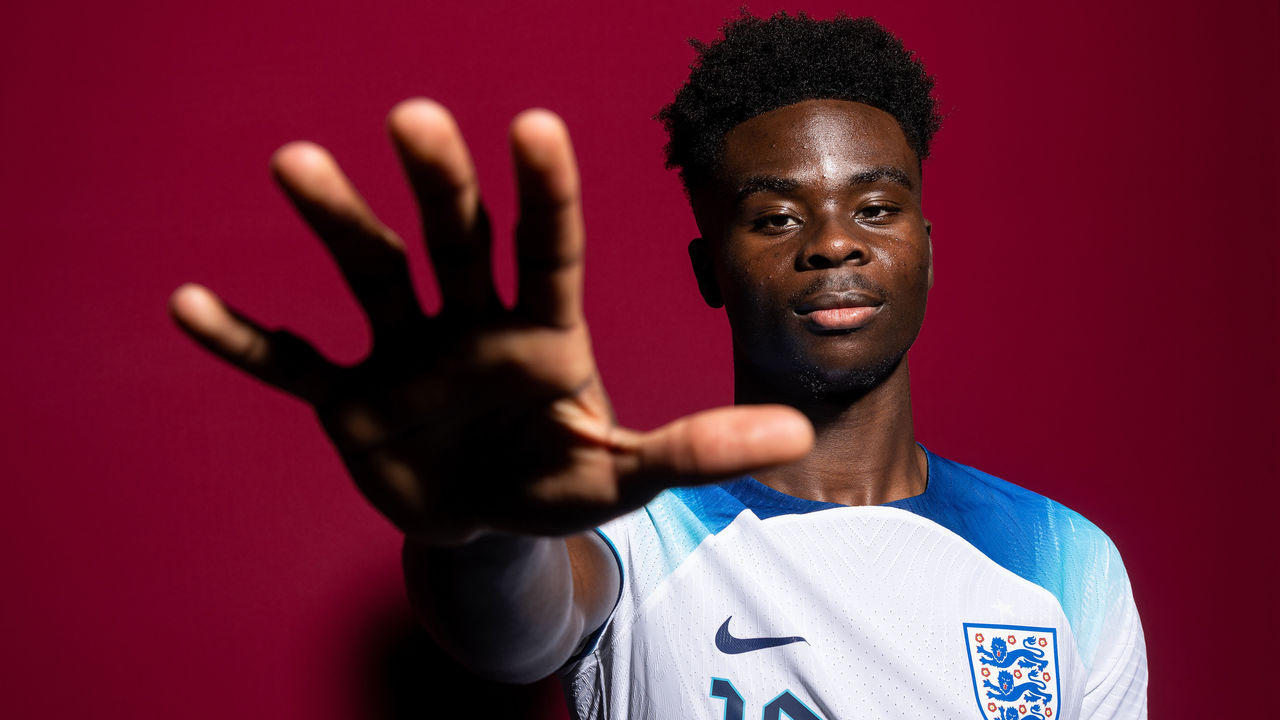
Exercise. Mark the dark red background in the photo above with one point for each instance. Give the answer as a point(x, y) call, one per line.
point(181, 542)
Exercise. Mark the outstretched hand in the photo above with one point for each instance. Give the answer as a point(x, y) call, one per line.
point(481, 417)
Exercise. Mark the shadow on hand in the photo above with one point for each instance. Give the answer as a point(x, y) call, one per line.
point(411, 678)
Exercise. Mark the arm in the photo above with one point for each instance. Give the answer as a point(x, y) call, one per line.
point(482, 422)
point(512, 607)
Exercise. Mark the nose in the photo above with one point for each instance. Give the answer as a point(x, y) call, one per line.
point(832, 243)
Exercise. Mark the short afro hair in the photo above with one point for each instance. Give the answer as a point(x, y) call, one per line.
point(765, 64)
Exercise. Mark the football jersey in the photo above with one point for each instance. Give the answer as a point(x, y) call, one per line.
point(975, 599)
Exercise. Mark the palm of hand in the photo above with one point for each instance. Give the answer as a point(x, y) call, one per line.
point(497, 426)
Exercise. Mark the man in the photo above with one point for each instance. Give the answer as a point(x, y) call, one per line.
point(837, 569)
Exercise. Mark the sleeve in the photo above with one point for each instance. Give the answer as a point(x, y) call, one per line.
point(1117, 684)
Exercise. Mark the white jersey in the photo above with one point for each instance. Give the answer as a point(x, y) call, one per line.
point(976, 599)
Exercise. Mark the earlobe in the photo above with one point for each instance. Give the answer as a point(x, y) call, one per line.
point(704, 273)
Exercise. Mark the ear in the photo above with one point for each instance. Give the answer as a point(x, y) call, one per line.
point(928, 232)
point(704, 272)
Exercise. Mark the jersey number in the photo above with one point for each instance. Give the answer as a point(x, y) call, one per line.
point(785, 704)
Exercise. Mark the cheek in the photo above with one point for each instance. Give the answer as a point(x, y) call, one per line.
point(918, 280)
point(911, 276)
point(920, 274)
point(752, 280)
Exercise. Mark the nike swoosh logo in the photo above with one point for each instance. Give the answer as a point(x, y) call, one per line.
point(730, 645)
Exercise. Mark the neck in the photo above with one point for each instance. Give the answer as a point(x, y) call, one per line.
point(864, 451)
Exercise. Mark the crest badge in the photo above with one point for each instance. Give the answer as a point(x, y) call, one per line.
point(1014, 670)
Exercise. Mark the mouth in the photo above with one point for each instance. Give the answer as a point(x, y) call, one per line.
point(839, 312)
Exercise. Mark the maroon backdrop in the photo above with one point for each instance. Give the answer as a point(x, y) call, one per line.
point(181, 542)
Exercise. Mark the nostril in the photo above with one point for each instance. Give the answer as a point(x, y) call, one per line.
point(821, 262)
point(837, 256)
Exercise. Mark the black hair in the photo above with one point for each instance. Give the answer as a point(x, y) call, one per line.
point(761, 64)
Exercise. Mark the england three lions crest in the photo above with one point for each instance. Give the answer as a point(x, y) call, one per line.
point(1014, 670)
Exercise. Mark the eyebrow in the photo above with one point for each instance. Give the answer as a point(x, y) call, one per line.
point(765, 183)
point(882, 173)
point(777, 184)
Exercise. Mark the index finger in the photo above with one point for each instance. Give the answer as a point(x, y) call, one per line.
point(550, 239)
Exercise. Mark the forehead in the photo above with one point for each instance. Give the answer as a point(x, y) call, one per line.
point(815, 140)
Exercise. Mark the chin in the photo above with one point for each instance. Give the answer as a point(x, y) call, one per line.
point(842, 384)
point(835, 373)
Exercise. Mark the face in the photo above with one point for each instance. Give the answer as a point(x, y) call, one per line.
point(814, 242)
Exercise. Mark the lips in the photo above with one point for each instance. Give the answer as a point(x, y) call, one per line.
point(839, 311)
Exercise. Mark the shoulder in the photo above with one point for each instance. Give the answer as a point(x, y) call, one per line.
point(653, 540)
point(1017, 527)
point(1037, 538)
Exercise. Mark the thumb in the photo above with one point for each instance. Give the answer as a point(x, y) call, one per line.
point(717, 444)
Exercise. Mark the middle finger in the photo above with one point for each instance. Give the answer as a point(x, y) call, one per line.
point(444, 182)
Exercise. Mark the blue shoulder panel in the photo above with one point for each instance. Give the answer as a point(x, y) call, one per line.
point(682, 518)
point(1030, 535)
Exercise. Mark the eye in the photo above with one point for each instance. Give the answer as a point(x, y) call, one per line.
point(876, 213)
point(775, 223)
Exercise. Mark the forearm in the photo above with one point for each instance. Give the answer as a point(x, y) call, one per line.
point(502, 605)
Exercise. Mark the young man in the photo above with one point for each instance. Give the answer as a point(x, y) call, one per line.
point(837, 569)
